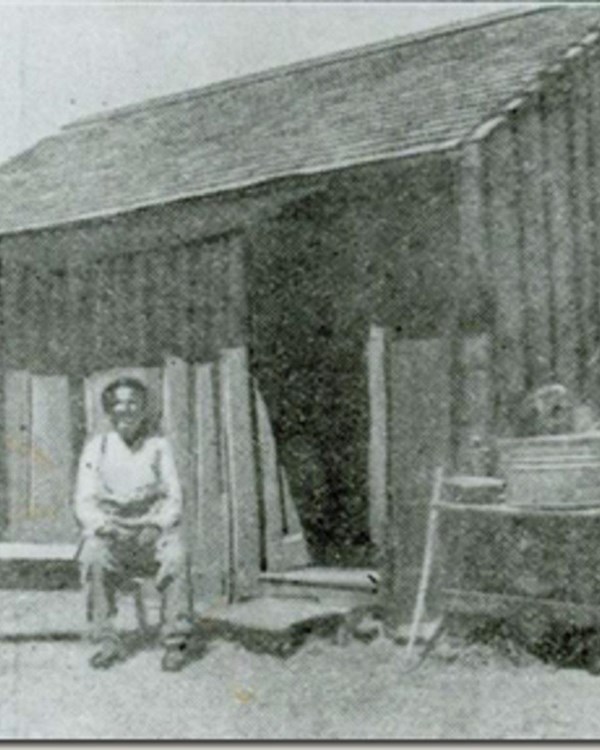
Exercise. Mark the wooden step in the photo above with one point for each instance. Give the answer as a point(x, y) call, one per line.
point(346, 586)
point(32, 551)
point(273, 625)
point(41, 567)
point(60, 615)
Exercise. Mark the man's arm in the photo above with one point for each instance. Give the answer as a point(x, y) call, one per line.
point(167, 512)
point(87, 491)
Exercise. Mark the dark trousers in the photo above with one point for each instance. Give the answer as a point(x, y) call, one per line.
point(109, 564)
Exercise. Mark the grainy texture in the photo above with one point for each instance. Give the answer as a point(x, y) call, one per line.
point(332, 278)
point(420, 436)
point(210, 555)
point(326, 114)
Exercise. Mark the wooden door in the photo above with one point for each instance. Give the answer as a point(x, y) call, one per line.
point(40, 458)
point(419, 441)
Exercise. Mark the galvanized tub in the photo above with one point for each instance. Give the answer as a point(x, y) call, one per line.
point(551, 471)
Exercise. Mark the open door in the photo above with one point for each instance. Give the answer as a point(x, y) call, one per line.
point(40, 458)
point(419, 387)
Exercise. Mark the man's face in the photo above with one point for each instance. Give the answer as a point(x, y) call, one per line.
point(128, 412)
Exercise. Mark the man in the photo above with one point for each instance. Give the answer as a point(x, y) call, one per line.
point(129, 504)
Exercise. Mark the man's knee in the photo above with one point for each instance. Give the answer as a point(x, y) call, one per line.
point(95, 554)
point(171, 556)
point(170, 548)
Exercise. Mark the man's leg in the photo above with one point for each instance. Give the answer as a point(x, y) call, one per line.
point(173, 582)
point(98, 572)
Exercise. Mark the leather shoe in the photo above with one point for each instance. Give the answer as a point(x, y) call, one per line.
point(174, 658)
point(593, 664)
point(109, 653)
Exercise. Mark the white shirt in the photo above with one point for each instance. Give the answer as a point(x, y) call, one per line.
point(114, 480)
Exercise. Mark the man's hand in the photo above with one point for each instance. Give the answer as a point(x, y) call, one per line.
point(108, 529)
point(149, 535)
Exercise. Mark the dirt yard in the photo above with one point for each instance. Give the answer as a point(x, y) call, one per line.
point(323, 691)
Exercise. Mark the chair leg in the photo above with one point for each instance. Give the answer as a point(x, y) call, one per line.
point(140, 609)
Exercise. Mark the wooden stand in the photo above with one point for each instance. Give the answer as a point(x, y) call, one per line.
point(509, 562)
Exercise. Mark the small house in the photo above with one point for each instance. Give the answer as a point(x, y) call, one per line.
point(337, 274)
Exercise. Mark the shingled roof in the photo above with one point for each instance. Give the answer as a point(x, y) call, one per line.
point(426, 91)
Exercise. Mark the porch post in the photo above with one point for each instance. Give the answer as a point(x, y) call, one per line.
point(378, 434)
point(471, 402)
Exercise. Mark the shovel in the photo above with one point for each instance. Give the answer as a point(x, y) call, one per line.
point(410, 661)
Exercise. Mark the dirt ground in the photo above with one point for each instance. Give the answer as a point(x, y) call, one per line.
point(323, 691)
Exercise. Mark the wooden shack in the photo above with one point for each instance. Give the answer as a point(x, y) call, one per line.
point(346, 269)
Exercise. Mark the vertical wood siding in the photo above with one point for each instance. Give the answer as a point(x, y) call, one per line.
point(475, 272)
point(592, 112)
point(562, 236)
point(134, 309)
point(535, 259)
point(579, 135)
point(539, 190)
point(502, 240)
point(123, 310)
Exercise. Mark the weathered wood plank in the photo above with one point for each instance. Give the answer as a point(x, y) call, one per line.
point(12, 289)
point(237, 311)
point(101, 311)
point(77, 316)
point(271, 496)
point(593, 122)
point(210, 551)
point(29, 339)
point(473, 251)
point(121, 294)
point(55, 294)
point(534, 245)
point(27, 551)
point(160, 310)
point(183, 299)
point(218, 290)
point(4, 496)
point(478, 402)
point(580, 135)
point(502, 222)
point(51, 462)
point(504, 606)
point(138, 307)
point(226, 489)
point(378, 435)
point(472, 398)
point(176, 427)
point(202, 304)
point(17, 444)
point(294, 548)
point(241, 471)
point(557, 196)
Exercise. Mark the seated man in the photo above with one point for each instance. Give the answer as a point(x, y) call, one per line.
point(129, 504)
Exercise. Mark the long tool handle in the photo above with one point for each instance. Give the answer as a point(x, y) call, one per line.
point(430, 542)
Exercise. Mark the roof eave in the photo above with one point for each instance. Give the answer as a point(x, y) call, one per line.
point(439, 147)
